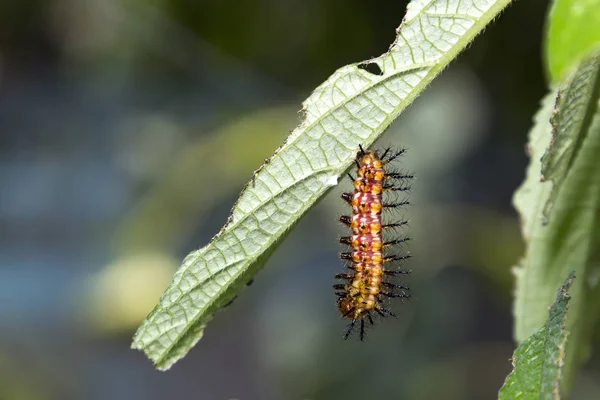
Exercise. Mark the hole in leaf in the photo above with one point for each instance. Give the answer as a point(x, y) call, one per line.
point(371, 67)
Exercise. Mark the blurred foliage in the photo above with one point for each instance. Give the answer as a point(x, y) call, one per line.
point(119, 296)
point(204, 174)
point(573, 29)
point(28, 371)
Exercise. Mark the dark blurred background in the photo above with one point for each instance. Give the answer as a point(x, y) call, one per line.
point(129, 127)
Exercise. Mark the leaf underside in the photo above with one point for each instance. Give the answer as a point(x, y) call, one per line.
point(354, 106)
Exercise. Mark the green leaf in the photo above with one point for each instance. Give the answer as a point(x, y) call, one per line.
point(538, 361)
point(353, 107)
point(561, 218)
point(573, 29)
point(576, 107)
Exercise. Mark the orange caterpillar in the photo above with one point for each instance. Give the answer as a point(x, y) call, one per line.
point(368, 281)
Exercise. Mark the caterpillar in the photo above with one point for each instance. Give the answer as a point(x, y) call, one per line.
point(368, 282)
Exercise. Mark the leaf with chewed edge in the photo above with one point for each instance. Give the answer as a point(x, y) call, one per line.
point(354, 106)
point(559, 205)
point(538, 361)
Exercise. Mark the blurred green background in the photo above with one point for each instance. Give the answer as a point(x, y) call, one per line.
point(129, 127)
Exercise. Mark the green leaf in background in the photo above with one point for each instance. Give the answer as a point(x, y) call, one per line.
point(561, 218)
point(177, 206)
point(538, 361)
point(573, 29)
point(354, 106)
